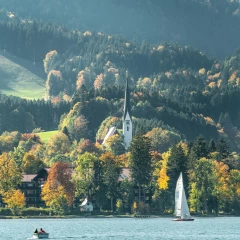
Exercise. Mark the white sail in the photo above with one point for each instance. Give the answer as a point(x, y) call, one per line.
point(181, 206)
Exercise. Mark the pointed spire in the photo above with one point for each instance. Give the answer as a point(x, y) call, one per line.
point(127, 107)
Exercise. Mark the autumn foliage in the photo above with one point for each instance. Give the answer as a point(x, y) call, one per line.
point(58, 191)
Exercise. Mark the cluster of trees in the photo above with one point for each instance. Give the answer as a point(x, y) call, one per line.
point(187, 22)
point(23, 115)
point(84, 169)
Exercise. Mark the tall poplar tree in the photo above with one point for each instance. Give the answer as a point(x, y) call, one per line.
point(140, 163)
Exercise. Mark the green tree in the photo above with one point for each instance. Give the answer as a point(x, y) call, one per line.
point(140, 163)
point(198, 150)
point(58, 144)
point(111, 173)
point(202, 187)
point(177, 163)
point(162, 140)
point(222, 149)
point(115, 145)
point(84, 176)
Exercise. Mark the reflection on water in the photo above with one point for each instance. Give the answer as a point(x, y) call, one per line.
point(223, 228)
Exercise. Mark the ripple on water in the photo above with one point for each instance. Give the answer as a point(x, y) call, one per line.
point(223, 228)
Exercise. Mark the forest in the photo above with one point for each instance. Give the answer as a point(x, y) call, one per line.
point(182, 21)
point(185, 111)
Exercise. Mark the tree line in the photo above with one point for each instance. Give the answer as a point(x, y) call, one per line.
point(211, 173)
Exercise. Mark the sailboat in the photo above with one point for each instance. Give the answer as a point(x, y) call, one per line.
point(181, 205)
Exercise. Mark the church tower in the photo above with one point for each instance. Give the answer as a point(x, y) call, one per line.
point(127, 118)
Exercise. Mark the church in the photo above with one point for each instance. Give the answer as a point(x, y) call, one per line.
point(127, 119)
point(127, 125)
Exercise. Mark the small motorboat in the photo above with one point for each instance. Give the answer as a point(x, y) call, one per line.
point(40, 235)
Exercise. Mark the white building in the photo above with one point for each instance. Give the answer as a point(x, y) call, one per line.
point(127, 119)
point(86, 206)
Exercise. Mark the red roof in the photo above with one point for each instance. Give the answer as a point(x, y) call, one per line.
point(28, 177)
point(125, 174)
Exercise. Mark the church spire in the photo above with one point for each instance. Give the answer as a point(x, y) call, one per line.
point(127, 107)
point(127, 118)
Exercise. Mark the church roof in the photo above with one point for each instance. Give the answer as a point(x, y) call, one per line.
point(127, 107)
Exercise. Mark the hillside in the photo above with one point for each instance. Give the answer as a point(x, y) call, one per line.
point(212, 26)
point(20, 77)
point(176, 88)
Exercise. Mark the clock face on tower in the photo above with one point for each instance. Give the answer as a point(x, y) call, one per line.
point(127, 122)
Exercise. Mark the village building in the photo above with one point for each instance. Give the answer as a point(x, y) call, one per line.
point(127, 125)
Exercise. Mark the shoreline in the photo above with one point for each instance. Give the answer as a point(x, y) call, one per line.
point(110, 216)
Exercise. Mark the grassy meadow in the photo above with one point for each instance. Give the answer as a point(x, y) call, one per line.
point(45, 136)
point(21, 78)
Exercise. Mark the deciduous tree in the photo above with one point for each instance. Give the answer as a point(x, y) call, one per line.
point(15, 200)
point(10, 174)
point(59, 186)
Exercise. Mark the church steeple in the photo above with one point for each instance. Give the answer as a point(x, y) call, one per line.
point(127, 108)
point(127, 117)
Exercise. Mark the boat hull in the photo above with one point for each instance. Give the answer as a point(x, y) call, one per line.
point(183, 220)
point(40, 235)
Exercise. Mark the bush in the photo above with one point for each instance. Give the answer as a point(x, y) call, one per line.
point(32, 211)
point(5, 212)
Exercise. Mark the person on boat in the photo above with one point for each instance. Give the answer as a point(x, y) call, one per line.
point(36, 231)
point(42, 231)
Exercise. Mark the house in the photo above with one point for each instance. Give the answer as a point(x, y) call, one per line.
point(86, 206)
point(31, 186)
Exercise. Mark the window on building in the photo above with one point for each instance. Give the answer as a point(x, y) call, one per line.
point(128, 122)
point(127, 128)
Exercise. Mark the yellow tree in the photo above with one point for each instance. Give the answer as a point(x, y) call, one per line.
point(10, 174)
point(234, 190)
point(55, 198)
point(161, 172)
point(15, 200)
point(222, 187)
point(31, 164)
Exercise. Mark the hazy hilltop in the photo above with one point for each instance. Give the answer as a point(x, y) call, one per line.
point(212, 26)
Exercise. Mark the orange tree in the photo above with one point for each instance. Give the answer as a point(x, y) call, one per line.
point(58, 191)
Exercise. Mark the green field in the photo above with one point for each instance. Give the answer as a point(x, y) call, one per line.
point(21, 78)
point(45, 136)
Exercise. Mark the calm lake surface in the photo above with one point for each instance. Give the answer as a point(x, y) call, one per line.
point(123, 228)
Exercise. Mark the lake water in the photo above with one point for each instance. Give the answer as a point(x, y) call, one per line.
point(222, 228)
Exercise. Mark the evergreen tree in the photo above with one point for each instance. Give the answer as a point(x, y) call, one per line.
point(177, 163)
point(223, 149)
point(140, 163)
point(198, 150)
point(212, 146)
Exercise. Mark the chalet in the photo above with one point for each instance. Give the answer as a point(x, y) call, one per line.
point(31, 186)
